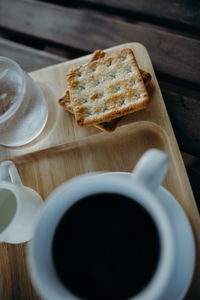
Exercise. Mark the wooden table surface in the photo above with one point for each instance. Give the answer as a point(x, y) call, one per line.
point(42, 33)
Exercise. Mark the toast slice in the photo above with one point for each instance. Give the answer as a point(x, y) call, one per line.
point(107, 88)
point(109, 126)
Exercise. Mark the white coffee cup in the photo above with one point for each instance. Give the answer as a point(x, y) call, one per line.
point(177, 254)
point(19, 206)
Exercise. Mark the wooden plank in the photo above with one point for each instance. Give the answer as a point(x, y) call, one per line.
point(192, 165)
point(171, 53)
point(179, 12)
point(28, 58)
point(184, 112)
point(194, 175)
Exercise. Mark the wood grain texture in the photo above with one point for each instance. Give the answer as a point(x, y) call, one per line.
point(67, 26)
point(179, 12)
point(184, 114)
point(63, 151)
point(28, 58)
point(192, 164)
point(15, 281)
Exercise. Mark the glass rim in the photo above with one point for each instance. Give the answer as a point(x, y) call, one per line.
point(9, 113)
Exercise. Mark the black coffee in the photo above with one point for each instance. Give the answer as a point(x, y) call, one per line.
point(106, 247)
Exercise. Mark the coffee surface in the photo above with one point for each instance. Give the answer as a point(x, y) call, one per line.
point(106, 246)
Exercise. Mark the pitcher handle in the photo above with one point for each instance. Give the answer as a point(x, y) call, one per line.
point(151, 169)
point(8, 172)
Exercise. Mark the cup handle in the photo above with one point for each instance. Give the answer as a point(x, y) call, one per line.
point(8, 172)
point(151, 169)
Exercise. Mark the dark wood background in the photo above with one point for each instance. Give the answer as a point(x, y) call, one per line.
point(41, 33)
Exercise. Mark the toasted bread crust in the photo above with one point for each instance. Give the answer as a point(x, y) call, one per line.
point(110, 126)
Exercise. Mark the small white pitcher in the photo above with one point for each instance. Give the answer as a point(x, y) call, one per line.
point(19, 206)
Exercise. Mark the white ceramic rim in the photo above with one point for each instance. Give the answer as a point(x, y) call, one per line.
point(57, 205)
point(9, 113)
point(10, 187)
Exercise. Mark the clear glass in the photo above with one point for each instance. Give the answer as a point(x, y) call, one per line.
point(23, 108)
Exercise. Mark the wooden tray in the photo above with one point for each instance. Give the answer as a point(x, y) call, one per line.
point(63, 150)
